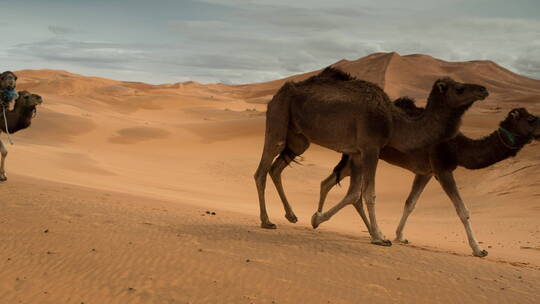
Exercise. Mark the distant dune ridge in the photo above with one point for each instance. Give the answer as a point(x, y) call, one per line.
point(410, 75)
point(121, 174)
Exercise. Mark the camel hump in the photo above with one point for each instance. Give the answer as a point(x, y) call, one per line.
point(335, 74)
point(405, 103)
point(408, 105)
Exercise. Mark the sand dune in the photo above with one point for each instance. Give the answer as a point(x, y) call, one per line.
point(129, 169)
point(413, 75)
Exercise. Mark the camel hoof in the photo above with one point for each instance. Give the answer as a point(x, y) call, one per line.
point(480, 254)
point(291, 217)
point(402, 241)
point(3, 179)
point(386, 243)
point(268, 225)
point(315, 220)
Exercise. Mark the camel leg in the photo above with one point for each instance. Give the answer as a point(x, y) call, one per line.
point(296, 145)
point(260, 181)
point(328, 183)
point(277, 124)
point(3, 153)
point(352, 196)
point(359, 206)
point(370, 158)
point(419, 184)
point(275, 173)
point(446, 179)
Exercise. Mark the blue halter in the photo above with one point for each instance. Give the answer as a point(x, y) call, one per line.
point(512, 136)
point(9, 94)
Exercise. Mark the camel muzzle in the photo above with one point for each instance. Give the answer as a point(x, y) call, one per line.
point(483, 93)
point(536, 133)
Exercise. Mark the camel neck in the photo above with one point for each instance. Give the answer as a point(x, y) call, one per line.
point(484, 152)
point(18, 119)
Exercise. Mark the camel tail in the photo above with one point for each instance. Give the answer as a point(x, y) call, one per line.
point(277, 121)
point(342, 163)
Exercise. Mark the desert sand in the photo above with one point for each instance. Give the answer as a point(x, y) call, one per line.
point(109, 189)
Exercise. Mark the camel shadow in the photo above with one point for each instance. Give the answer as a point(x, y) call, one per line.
point(285, 236)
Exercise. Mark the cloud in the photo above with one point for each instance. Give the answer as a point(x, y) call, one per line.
point(84, 53)
point(237, 41)
point(60, 30)
point(528, 63)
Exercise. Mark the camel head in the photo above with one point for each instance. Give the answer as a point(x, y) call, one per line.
point(457, 94)
point(8, 81)
point(28, 100)
point(522, 124)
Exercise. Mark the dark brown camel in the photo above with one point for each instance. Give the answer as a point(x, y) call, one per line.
point(17, 119)
point(356, 117)
point(517, 130)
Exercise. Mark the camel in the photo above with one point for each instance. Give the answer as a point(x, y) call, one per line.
point(8, 83)
point(515, 131)
point(356, 117)
point(17, 119)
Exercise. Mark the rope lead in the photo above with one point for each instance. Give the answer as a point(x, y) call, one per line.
point(6, 122)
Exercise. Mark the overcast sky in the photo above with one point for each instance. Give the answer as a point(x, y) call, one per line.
point(234, 41)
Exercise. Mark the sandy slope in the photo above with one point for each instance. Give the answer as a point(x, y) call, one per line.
point(95, 246)
point(105, 159)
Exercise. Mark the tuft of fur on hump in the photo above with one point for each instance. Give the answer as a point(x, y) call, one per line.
point(336, 74)
point(328, 75)
point(408, 105)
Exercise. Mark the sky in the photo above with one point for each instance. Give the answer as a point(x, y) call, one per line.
point(234, 42)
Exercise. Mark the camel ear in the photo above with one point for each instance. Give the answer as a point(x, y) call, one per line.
point(23, 94)
point(442, 86)
point(4, 74)
point(514, 114)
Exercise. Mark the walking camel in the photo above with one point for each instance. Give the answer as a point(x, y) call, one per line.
point(516, 130)
point(17, 119)
point(356, 117)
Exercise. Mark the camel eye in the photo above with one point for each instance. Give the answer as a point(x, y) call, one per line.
point(460, 90)
point(532, 119)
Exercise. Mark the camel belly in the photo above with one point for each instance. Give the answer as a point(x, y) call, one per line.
point(415, 161)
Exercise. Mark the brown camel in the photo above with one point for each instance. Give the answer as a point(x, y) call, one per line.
point(17, 119)
point(8, 80)
point(356, 117)
point(8, 83)
point(517, 130)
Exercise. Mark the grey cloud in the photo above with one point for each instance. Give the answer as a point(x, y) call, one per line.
point(60, 30)
point(238, 42)
point(528, 63)
point(90, 54)
point(227, 62)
